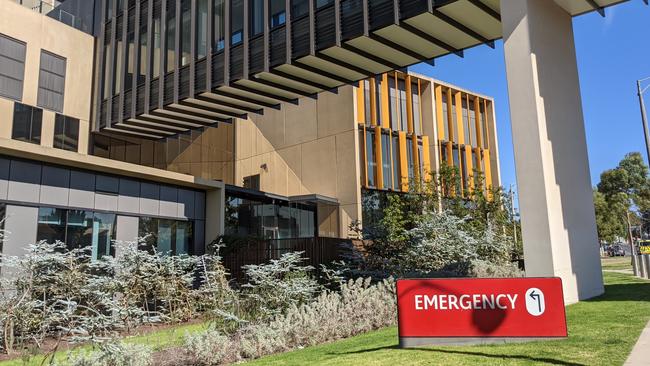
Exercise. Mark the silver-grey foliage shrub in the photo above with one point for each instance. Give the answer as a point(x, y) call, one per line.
point(358, 307)
point(113, 354)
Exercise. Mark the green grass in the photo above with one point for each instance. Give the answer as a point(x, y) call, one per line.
point(158, 340)
point(602, 331)
point(616, 263)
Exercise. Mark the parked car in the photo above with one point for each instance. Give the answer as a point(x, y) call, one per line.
point(615, 251)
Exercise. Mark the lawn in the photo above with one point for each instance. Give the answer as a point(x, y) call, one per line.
point(602, 331)
point(616, 263)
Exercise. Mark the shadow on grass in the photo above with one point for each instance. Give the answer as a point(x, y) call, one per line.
point(466, 353)
point(625, 292)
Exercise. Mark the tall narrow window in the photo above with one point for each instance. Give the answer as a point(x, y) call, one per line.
point(186, 32)
point(366, 101)
point(472, 125)
point(27, 123)
point(385, 160)
point(362, 151)
point(454, 119)
point(463, 167)
point(372, 162)
point(170, 52)
point(12, 67)
point(201, 28)
point(107, 68)
point(109, 9)
point(219, 26)
point(465, 122)
point(157, 37)
point(445, 117)
point(237, 22)
point(417, 120)
point(378, 95)
point(277, 12)
point(486, 128)
point(257, 17)
point(402, 105)
point(409, 158)
point(117, 61)
point(421, 160)
point(394, 119)
point(51, 81)
point(144, 56)
point(444, 159)
point(396, 163)
point(66, 132)
point(130, 54)
point(456, 159)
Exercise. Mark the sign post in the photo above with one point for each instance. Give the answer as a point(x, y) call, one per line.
point(474, 311)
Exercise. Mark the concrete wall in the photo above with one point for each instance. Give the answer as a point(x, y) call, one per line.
point(40, 32)
point(310, 148)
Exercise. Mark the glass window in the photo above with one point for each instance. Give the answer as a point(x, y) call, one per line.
point(278, 13)
point(396, 163)
point(79, 231)
point(169, 237)
point(394, 120)
point(420, 160)
point(321, 3)
point(66, 132)
point(171, 36)
point(156, 46)
point(51, 225)
point(465, 122)
point(444, 159)
point(299, 8)
point(144, 57)
point(51, 81)
point(445, 117)
point(362, 151)
point(109, 9)
point(117, 61)
point(409, 158)
point(201, 28)
point(27, 123)
point(417, 121)
point(385, 160)
point(130, 54)
point(456, 157)
point(463, 166)
point(107, 68)
point(12, 67)
point(186, 32)
point(219, 24)
point(454, 119)
point(257, 17)
point(366, 101)
point(104, 229)
point(378, 91)
point(237, 21)
point(485, 127)
point(252, 182)
point(402, 105)
point(472, 125)
point(370, 154)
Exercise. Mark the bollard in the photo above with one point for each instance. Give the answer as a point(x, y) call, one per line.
point(635, 265)
point(646, 265)
point(639, 262)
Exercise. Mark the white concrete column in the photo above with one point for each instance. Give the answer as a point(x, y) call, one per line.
point(555, 195)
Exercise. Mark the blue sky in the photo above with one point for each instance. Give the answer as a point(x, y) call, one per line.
point(613, 52)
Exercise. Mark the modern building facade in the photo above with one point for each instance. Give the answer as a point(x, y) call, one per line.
point(291, 169)
point(170, 93)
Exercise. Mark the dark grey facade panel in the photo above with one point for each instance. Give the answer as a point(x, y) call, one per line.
point(12, 67)
point(51, 81)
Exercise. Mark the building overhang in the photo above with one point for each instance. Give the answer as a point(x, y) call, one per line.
point(335, 45)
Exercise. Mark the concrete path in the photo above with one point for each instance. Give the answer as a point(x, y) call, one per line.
point(640, 355)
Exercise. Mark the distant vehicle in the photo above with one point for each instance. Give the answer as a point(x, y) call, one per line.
point(615, 251)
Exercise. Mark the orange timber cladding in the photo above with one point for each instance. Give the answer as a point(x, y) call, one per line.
point(397, 138)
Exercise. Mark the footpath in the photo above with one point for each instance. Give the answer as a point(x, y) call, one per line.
point(640, 355)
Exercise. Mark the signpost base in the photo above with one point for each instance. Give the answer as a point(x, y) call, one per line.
point(410, 342)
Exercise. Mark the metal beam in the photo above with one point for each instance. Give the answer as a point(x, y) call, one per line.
point(597, 7)
point(264, 94)
point(189, 103)
point(301, 80)
point(431, 39)
point(486, 9)
point(187, 112)
point(344, 64)
point(407, 51)
point(462, 27)
point(246, 99)
point(162, 114)
point(176, 123)
point(278, 86)
point(122, 132)
point(389, 64)
point(218, 102)
point(317, 71)
point(155, 126)
point(147, 130)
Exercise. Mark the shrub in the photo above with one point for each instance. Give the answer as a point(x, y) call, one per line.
point(485, 269)
point(114, 354)
point(358, 307)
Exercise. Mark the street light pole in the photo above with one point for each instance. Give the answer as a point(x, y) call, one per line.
point(644, 120)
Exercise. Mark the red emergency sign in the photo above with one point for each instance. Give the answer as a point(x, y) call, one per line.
point(496, 307)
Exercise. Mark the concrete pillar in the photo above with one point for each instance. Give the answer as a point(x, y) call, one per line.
point(556, 203)
point(214, 214)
